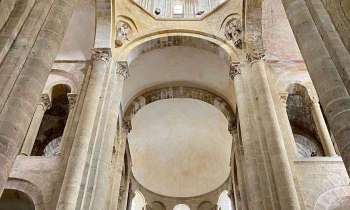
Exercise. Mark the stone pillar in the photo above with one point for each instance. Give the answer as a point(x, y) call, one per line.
point(108, 133)
point(20, 106)
point(331, 90)
point(268, 172)
point(287, 129)
point(72, 99)
point(322, 129)
point(33, 130)
point(68, 198)
point(118, 164)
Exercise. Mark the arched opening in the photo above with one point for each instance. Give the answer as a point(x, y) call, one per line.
point(206, 205)
point(156, 205)
point(53, 123)
point(225, 202)
point(15, 200)
point(181, 207)
point(178, 101)
point(138, 202)
point(301, 117)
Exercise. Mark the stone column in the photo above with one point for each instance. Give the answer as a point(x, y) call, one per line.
point(331, 90)
point(68, 198)
point(287, 129)
point(322, 129)
point(33, 130)
point(118, 164)
point(108, 133)
point(267, 164)
point(72, 99)
point(20, 106)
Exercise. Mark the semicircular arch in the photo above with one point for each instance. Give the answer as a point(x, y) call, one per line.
point(167, 92)
point(163, 39)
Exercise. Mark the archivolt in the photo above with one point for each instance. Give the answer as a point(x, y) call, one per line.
point(179, 92)
point(178, 38)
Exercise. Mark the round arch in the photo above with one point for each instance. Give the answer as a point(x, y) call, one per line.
point(163, 39)
point(28, 188)
point(181, 207)
point(334, 199)
point(166, 92)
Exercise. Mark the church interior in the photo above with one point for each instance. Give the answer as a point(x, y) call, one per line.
point(174, 104)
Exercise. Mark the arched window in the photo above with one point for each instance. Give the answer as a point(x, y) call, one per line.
point(300, 110)
point(53, 123)
point(138, 202)
point(156, 205)
point(15, 200)
point(225, 202)
point(181, 207)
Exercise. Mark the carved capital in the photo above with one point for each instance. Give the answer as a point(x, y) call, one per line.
point(72, 99)
point(45, 101)
point(255, 55)
point(235, 69)
point(283, 98)
point(123, 69)
point(233, 31)
point(101, 54)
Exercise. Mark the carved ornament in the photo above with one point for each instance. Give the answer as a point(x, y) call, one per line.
point(233, 31)
point(235, 70)
point(101, 54)
point(123, 32)
point(123, 69)
point(45, 101)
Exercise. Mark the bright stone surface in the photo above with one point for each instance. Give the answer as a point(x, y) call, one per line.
point(180, 147)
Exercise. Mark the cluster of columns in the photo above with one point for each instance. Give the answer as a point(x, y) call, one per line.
point(41, 108)
point(24, 71)
point(328, 63)
point(268, 173)
point(88, 177)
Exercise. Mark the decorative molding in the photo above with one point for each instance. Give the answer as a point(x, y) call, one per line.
point(255, 55)
point(233, 31)
point(179, 92)
point(235, 70)
point(72, 99)
point(123, 31)
point(45, 101)
point(103, 54)
point(123, 69)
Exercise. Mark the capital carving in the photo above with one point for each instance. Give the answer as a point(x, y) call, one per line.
point(101, 54)
point(122, 33)
point(233, 32)
point(72, 99)
point(255, 55)
point(283, 98)
point(45, 101)
point(235, 69)
point(123, 69)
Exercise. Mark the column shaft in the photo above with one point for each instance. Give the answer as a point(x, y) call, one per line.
point(322, 130)
point(103, 159)
point(272, 138)
point(12, 64)
point(20, 106)
point(333, 95)
point(68, 199)
point(35, 125)
point(72, 97)
point(268, 175)
point(118, 164)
